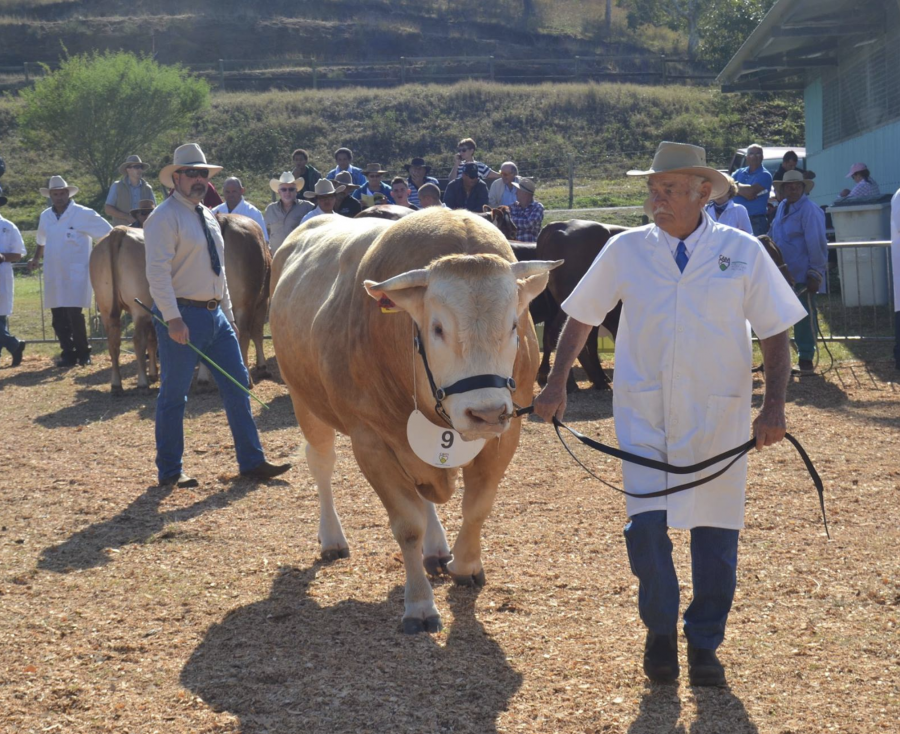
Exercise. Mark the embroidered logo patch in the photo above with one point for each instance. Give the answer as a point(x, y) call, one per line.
point(724, 262)
point(443, 458)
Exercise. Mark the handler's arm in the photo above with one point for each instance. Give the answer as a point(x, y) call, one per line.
point(770, 426)
point(551, 401)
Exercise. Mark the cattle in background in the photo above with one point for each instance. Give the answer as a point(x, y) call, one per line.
point(385, 211)
point(349, 367)
point(502, 220)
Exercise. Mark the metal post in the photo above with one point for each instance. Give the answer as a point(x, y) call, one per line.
point(403, 70)
point(315, 70)
point(576, 67)
point(571, 183)
point(491, 65)
point(27, 75)
point(222, 74)
point(665, 69)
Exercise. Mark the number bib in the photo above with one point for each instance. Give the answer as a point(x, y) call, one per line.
point(439, 446)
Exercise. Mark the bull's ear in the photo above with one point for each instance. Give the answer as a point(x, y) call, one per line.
point(404, 292)
point(486, 209)
point(532, 279)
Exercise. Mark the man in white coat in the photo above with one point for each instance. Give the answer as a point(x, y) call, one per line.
point(66, 231)
point(235, 203)
point(895, 267)
point(691, 290)
point(12, 249)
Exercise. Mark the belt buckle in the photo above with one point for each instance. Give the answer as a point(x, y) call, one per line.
point(212, 304)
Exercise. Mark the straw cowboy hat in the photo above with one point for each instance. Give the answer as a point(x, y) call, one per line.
point(345, 178)
point(526, 184)
point(133, 160)
point(58, 182)
point(186, 156)
point(285, 179)
point(143, 204)
point(324, 187)
point(373, 168)
point(687, 159)
point(418, 162)
point(795, 177)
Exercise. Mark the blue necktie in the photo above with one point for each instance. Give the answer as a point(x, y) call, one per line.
point(681, 257)
point(211, 245)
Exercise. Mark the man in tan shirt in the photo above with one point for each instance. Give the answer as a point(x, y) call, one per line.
point(186, 272)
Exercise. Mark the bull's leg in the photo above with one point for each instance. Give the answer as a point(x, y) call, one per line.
point(243, 318)
point(203, 382)
point(113, 326)
point(552, 328)
point(152, 353)
point(140, 350)
point(259, 321)
point(436, 548)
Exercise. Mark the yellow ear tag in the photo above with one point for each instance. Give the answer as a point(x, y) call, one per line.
point(388, 306)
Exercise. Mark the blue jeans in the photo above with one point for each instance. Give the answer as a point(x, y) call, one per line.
point(10, 343)
point(211, 333)
point(713, 570)
point(759, 223)
point(805, 329)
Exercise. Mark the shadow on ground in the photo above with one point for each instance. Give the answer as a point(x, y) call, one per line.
point(718, 711)
point(287, 664)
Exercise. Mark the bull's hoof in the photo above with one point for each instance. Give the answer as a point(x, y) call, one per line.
point(116, 390)
point(436, 566)
point(333, 554)
point(262, 373)
point(413, 626)
point(571, 384)
point(542, 379)
point(476, 580)
point(153, 379)
point(602, 385)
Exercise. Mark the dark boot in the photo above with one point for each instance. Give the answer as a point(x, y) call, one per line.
point(704, 668)
point(661, 657)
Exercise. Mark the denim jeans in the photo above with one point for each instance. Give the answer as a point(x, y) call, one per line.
point(71, 332)
point(211, 333)
point(11, 344)
point(805, 329)
point(713, 570)
point(759, 223)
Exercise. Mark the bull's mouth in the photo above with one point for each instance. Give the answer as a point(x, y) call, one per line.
point(483, 423)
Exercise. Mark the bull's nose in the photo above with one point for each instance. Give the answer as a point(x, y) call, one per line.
point(481, 417)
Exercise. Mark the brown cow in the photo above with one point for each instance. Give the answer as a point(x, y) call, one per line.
point(502, 220)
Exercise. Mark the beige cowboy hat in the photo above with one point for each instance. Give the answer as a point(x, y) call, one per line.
point(345, 178)
point(186, 156)
point(324, 187)
point(58, 182)
point(526, 184)
point(795, 177)
point(285, 179)
point(373, 168)
point(686, 159)
point(143, 204)
point(133, 160)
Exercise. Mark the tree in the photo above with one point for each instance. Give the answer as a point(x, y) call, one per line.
point(97, 109)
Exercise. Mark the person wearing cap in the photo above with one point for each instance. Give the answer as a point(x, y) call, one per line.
point(688, 287)
point(502, 191)
point(126, 193)
point(303, 172)
point(344, 203)
point(400, 193)
point(417, 176)
point(325, 195)
point(344, 159)
point(235, 203)
point(754, 184)
point(468, 192)
point(724, 211)
point(430, 195)
point(374, 189)
point(284, 216)
point(186, 272)
point(526, 213)
point(139, 214)
point(865, 185)
point(66, 231)
point(799, 230)
point(12, 249)
point(465, 154)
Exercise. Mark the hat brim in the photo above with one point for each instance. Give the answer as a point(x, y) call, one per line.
point(124, 167)
point(366, 173)
point(351, 187)
point(134, 212)
point(313, 194)
point(165, 175)
point(274, 183)
point(72, 190)
point(517, 185)
point(807, 184)
point(718, 179)
point(410, 165)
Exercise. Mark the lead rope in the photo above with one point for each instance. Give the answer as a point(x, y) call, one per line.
point(415, 395)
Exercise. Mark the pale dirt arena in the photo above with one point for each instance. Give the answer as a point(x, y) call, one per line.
point(126, 608)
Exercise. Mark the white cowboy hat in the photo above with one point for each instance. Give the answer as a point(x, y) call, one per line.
point(795, 177)
point(58, 182)
point(133, 160)
point(686, 159)
point(186, 156)
point(286, 178)
point(324, 187)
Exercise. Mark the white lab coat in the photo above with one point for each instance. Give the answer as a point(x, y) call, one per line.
point(734, 215)
point(683, 358)
point(246, 209)
point(67, 249)
point(895, 247)
point(10, 243)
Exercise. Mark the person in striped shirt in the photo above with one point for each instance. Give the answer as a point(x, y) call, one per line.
point(465, 153)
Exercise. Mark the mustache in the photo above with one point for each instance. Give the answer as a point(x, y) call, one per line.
point(662, 210)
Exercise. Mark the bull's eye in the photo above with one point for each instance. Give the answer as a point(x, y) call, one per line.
point(515, 326)
point(439, 331)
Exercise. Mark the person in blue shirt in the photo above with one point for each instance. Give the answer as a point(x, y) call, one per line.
point(752, 182)
point(343, 157)
point(368, 194)
point(418, 171)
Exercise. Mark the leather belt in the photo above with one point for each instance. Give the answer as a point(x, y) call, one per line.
point(211, 305)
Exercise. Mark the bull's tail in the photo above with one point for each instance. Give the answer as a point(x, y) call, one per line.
point(115, 306)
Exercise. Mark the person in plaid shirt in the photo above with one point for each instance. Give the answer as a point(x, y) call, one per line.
point(526, 213)
point(865, 184)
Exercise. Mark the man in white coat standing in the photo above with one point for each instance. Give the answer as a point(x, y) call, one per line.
point(65, 232)
point(691, 290)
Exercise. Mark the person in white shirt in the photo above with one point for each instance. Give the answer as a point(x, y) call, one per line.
point(691, 289)
point(235, 203)
point(66, 230)
point(725, 211)
point(284, 216)
point(12, 249)
point(502, 191)
point(325, 195)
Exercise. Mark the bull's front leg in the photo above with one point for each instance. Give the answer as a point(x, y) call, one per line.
point(436, 548)
point(142, 326)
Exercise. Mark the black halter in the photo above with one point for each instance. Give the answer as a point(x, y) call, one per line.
point(467, 384)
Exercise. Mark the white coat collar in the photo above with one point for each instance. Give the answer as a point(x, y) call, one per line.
point(696, 243)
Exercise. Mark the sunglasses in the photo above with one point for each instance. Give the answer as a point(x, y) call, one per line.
point(194, 172)
point(135, 165)
point(144, 212)
point(288, 191)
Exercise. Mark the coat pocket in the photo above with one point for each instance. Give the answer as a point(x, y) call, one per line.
point(640, 418)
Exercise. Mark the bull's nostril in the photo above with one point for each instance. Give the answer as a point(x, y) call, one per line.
point(491, 416)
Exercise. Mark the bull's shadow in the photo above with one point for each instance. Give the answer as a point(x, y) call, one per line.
point(94, 404)
point(286, 664)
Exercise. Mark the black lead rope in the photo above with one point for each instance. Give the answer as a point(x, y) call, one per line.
point(734, 454)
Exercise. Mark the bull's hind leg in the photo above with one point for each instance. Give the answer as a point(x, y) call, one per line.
point(113, 325)
point(259, 320)
point(436, 548)
point(142, 329)
point(320, 458)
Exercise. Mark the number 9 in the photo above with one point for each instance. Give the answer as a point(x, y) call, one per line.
point(447, 439)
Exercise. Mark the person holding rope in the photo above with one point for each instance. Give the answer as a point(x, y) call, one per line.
point(688, 287)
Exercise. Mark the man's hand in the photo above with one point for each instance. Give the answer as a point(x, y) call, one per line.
point(813, 281)
point(844, 193)
point(769, 426)
point(551, 402)
point(33, 265)
point(178, 331)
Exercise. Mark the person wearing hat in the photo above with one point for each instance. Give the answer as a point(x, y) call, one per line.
point(417, 171)
point(754, 184)
point(526, 213)
point(284, 215)
point(126, 193)
point(468, 192)
point(344, 158)
point(12, 249)
point(325, 195)
point(144, 209)
point(724, 211)
point(502, 191)
point(344, 203)
point(865, 185)
point(799, 230)
point(688, 287)
point(235, 203)
point(185, 269)
point(65, 232)
point(374, 191)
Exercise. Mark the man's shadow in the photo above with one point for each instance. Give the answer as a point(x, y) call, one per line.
point(287, 664)
point(718, 711)
point(137, 523)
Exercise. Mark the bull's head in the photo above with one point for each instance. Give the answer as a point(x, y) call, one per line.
point(467, 308)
